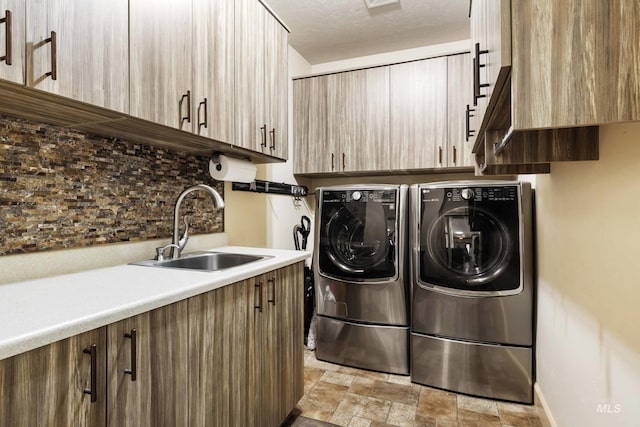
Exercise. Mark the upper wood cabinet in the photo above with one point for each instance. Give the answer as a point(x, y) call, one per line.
point(261, 80)
point(575, 64)
point(79, 49)
point(12, 40)
point(358, 120)
point(58, 385)
point(459, 86)
point(160, 50)
point(147, 363)
point(419, 114)
point(313, 152)
point(213, 69)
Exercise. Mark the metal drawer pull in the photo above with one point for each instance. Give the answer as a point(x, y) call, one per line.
point(455, 154)
point(272, 132)
point(7, 37)
point(263, 129)
point(440, 155)
point(134, 366)
point(476, 75)
point(273, 297)
point(206, 115)
point(92, 350)
point(468, 131)
point(258, 287)
point(333, 158)
point(343, 161)
point(188, 116)
point(54, 55)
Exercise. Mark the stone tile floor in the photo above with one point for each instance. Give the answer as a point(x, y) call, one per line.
point(350, 397)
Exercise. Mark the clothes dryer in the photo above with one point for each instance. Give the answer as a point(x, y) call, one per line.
point(472, 294)
point(360, 265)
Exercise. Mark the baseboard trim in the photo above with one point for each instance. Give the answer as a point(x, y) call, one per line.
point(545, 413)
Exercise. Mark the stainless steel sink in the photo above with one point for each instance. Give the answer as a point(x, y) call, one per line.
point(204, 261)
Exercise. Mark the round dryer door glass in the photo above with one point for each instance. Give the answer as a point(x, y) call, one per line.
point(470, 242)
point(357, 238)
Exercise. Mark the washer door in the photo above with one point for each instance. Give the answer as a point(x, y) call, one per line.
point(470, 250)
point(357, 241)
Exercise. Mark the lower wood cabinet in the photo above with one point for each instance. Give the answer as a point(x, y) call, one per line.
point(54, 385)
point(246, 343)
point(229, 357)
point(147, 366)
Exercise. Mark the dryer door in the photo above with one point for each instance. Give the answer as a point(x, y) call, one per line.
point(358, 236)
point(470, 247)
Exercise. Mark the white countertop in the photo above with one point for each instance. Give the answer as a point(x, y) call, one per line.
point(38, 312)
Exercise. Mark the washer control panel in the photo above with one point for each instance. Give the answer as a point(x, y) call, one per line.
point(471, 194)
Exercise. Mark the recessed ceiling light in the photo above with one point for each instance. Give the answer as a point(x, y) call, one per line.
point(376, 3)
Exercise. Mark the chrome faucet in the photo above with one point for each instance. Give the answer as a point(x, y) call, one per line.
point(178, 243)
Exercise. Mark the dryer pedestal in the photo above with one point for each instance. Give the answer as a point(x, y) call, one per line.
point(488, 370)
point(374, 347)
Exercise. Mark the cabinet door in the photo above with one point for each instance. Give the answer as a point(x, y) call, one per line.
point(256, 313)
point(276, 83)
point(158, 395)
point(12, 15)
point(46, 386)
point(289, 339)
point(213, 69)
point(418, 114)
point(251, 127)
point(312, 150)
point(218, 346)
point(89, 56)
point(459, 86)
point(160, 40)
point(358, 119)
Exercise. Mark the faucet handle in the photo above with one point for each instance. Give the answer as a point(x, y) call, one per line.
point(161, 249)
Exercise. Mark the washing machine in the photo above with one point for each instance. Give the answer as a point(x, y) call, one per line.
point(359, 267)
point(472, 323)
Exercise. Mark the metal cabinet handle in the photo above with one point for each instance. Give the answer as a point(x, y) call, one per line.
point(272, 300)
point(455, 154)
point(206, 115)
point(7, 37)
point(440, 155)
point(468, 132)
point(272, 132)
point(258, 289)
point(333, 158)
point(92, 350)
point(263, 129)
point(344, 166)
point(134, 366)
point(476, 75)
point(188, 116)
point(53, 39)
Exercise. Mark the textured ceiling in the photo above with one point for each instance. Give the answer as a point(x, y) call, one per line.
point(330, 30)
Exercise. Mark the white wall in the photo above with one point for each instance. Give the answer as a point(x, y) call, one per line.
point(588, 233)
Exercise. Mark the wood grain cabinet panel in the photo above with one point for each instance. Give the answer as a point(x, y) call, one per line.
point(575, 63)
point(79, 50)
point(159, 394)
point(46, 386)
point(12, 16)
point(358, 119)
point(261, 80)
point(219, 340)
point(213, 69)
point(313, 151)
point(419, 114)
point(161, 55)
point(276, 350)
point(459, 91)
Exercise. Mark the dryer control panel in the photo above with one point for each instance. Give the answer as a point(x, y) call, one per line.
point(474, 194)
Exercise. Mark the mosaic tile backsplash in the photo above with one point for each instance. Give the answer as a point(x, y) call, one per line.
point(62, 188)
